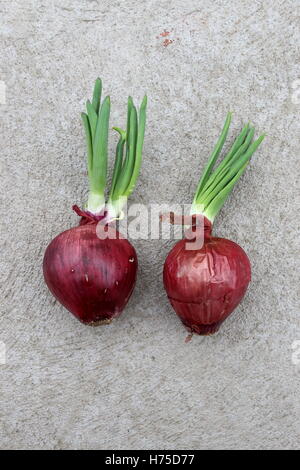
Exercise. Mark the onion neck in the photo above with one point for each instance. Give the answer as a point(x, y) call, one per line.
point(198, 209)
point(114, 208)
point(193, 222)
point(95, 203)
point(108, 211)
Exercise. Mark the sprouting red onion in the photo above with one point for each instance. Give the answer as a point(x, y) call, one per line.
point(91, 269)
point(205, 284)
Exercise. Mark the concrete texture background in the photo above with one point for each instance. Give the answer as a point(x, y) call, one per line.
point(136, 384)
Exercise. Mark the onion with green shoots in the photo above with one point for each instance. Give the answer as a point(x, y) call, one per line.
point(91, 269)
point(205, 284)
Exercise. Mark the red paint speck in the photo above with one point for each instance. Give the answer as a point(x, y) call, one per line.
point(167, 42)
point(164, 33)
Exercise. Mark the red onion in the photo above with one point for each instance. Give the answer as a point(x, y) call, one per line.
point(93, 276)
point(205, 284)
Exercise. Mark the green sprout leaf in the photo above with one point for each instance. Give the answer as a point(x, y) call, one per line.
point(214, 187)
point(126, 170)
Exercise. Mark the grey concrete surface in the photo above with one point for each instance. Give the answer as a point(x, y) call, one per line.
point(136, 384)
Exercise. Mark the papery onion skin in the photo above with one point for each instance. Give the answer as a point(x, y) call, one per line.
point(91, 277)
point(205, 285)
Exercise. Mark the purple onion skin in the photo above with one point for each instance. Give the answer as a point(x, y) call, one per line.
point(91, 277)
point(204, 286)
